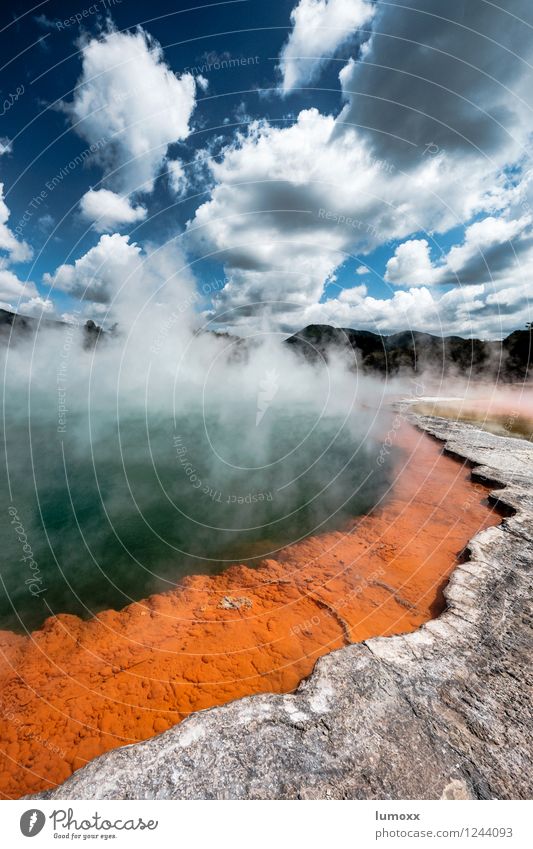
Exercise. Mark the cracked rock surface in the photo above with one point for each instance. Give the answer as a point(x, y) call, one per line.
point(443, 712)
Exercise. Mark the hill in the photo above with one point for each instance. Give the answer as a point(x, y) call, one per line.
point(415, 352)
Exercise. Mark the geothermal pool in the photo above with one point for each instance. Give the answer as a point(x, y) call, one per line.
point(110, 513)
point(76, 688)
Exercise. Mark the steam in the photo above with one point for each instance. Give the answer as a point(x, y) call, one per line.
point(166, 449)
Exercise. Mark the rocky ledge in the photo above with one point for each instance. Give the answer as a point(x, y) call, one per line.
point(443, 712)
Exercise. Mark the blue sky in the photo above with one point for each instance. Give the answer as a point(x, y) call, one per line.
point(336, 161)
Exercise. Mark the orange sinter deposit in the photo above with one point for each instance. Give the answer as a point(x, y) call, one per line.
point(77, 688)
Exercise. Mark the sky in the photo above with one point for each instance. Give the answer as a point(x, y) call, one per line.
point(358, 163)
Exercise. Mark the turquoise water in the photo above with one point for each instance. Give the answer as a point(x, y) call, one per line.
point(115, 510)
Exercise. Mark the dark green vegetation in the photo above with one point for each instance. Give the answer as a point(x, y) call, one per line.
point(414, 352)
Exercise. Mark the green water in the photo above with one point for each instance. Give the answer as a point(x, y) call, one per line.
point(115, 511)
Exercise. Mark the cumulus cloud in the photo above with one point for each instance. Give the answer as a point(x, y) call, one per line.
point(444, 76)
point(429, 139)
point(292, 204)
point(15, 249)
point(12, 289)
point(319, 28)
point(117, 278)
point(456, 311)
point(262, 220)
point(492, 249)
point(108, 210)
point(99, 273)
point(128, 96)
point(411, 264)
point(37, 307)
point(481, 287)
point(469, 312)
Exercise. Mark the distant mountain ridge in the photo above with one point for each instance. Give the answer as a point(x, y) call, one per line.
point(414, 351)
point(406, 351)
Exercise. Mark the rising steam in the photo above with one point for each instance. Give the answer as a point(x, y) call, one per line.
point(167, 449)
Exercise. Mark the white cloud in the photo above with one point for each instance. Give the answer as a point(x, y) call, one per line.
point(46, 222)
point(411, 265)
point(37, 306)
point(98, 274)
point(489, 273)
point(468, 311)
point(17, 251)
point(5, 146)
point(117, 280)
point(479, 240)
point(292, 204)
point(177, 177)
point(319, 28)
point(423, 81)
point(128, 96)
point(202, 82)
point(108, 210)
point(463, 311)
point(12, 289)
point(492, 250)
